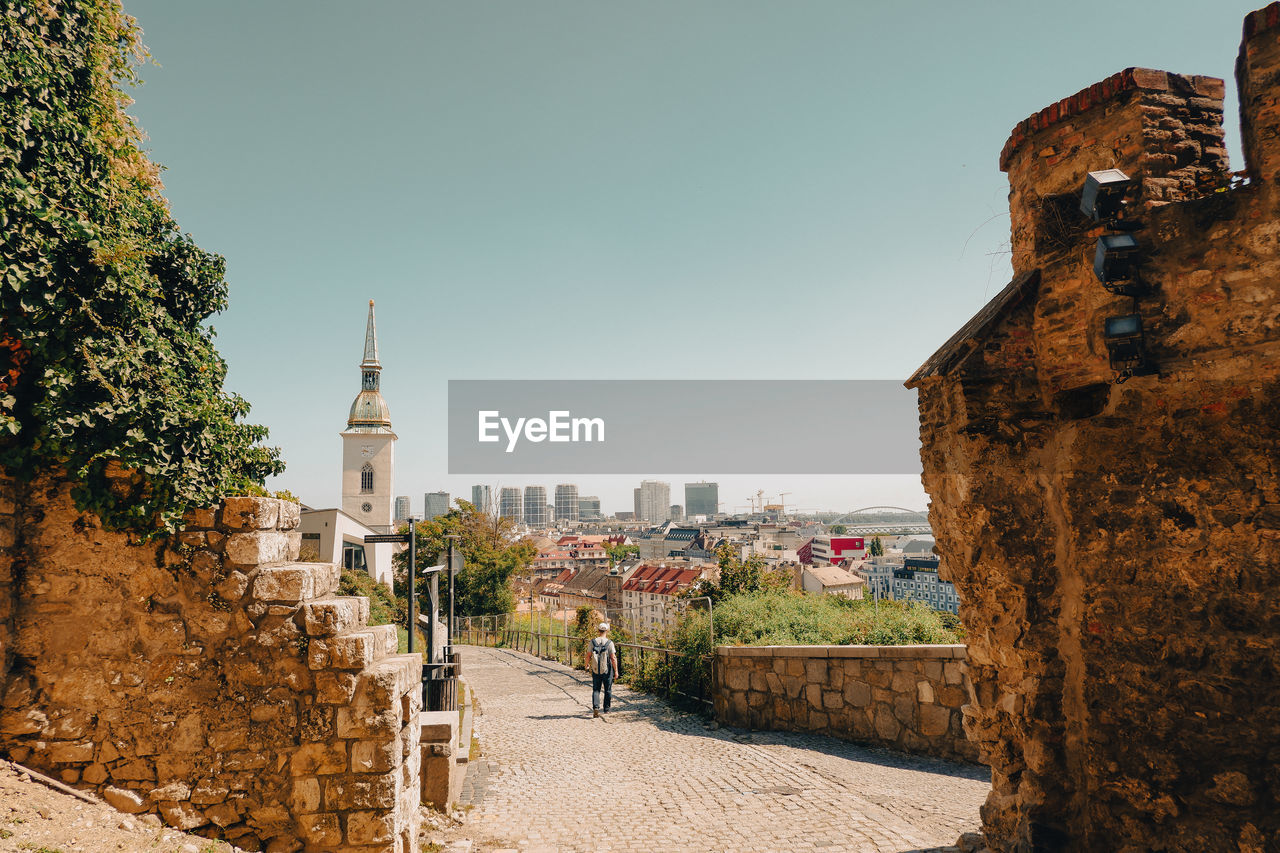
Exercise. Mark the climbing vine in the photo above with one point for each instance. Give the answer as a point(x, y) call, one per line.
point(108, 372)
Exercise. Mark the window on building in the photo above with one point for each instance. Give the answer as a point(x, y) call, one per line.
point(366, 479)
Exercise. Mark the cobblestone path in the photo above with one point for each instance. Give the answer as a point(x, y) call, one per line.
point(649, 778)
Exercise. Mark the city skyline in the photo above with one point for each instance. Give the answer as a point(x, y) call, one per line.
point(677, 486)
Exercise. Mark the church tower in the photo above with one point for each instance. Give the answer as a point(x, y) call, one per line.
point(368, 445)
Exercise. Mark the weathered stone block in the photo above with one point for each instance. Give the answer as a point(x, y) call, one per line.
point(362, 721)
point(374, 756)
point(208, 792)
point(737, 678)
point(174, 791)
point(71, 753)
point(290, 515)
point(370, 827)
point(291, 584)
point(886, 724)
point(934, 720)
point(816, 671)
point(953, 672)
point(184, 816)
point(857, 693)
point(321, 829)
point(304, 796)
point(222, 814)
point(200, 518)
point(328, 616)
point(125, 800)
point(134, 771)
point(350, 793)
point(335, 686)
point(250, 513)
point(318, 759)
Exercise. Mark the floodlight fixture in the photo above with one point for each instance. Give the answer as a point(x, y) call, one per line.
point(1103, 195)
point(1125, 347)
point(1115, 263)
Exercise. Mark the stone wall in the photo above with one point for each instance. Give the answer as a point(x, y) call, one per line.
point(209, 680)
point(1116, 546)
point(905, 697)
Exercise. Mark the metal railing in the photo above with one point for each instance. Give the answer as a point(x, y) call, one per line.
point(440, 684)
point(652, 668)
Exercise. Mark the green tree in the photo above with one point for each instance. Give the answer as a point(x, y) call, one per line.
point(618, 552)
point(108, 371)
point(838, 530)
point(491, 557)
point(877, 547)
point(749, 576)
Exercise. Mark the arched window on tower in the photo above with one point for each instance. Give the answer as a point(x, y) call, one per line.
point(366, 479)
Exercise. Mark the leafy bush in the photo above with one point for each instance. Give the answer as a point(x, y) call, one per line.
point(787, 619)
point(384, 608)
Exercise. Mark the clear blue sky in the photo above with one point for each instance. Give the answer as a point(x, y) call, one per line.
point(545, 190)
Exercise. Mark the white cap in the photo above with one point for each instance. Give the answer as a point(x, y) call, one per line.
point(604, 626)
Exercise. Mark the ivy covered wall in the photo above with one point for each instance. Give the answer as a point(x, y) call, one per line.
point(106, 362)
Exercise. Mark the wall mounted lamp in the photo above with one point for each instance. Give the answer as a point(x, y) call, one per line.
point(1125, 347)
point(1115, 263)
point(1103, 196)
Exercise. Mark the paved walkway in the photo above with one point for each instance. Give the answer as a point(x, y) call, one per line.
point(649, 778)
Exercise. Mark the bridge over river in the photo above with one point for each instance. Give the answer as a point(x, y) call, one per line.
point(649, 778)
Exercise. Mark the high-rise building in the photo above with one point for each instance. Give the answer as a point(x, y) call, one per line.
point(435, 504)
point(368, 445)
point(402, 507)
point(654, 501)
point(701, 498)
point(635, 508)
point(589, 508)
point(566, 502)
point(482, 498)
point(510, 504)
point(535, 506)
point(676, 513)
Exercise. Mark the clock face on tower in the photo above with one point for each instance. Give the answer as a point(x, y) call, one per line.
point(366, 450)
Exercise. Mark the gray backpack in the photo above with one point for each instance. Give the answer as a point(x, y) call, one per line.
point(600, 655)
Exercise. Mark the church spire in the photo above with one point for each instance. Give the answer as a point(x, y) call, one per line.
point(369, 412)
point(370, 343)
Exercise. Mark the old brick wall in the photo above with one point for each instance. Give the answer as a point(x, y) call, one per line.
point(211, 681)
point(905, 697)
point(1116, 546)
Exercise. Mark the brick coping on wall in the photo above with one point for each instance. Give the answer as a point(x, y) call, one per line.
point(930, 652)
point(1120, 83)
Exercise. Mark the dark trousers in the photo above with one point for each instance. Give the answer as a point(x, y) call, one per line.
point(601, 683)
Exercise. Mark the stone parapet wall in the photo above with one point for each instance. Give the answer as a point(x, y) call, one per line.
point(905, 697)
point(208, 679)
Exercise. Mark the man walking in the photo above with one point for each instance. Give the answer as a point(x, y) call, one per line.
point(604, 666)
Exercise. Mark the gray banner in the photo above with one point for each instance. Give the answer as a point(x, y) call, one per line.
point(669, 426)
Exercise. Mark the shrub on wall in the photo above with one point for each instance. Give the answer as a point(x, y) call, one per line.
point(107, 371)
point(789, 619)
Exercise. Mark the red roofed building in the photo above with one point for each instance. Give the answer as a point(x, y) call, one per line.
point(647, 594)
